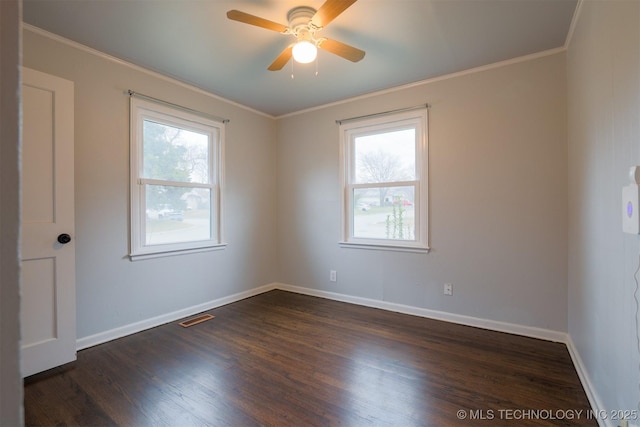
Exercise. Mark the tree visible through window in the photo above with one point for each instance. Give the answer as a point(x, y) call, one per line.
point(176, 180)
point(385, 181)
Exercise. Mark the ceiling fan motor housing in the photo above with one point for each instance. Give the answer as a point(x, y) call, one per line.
point(300, 19)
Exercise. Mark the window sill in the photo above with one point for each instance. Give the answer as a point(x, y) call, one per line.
point(382, 247)
point(175, 252)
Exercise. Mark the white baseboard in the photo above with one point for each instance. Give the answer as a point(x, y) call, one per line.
point(132, 328)
point(511, 328)
point(589, 389)
point(493, 325)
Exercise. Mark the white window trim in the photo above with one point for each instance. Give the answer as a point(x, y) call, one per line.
point(141, 110)
point(348, 131)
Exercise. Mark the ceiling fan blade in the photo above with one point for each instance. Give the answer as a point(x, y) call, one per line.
point(343, 50)
point(282, 59)
point(246, 18)
point(329, 11)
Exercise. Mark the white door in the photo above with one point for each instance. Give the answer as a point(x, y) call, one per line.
point(48, 303)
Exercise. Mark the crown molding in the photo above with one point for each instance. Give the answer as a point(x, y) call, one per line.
point(474, 70)
point(167, 78)
point(192, 87)
point(574, 23)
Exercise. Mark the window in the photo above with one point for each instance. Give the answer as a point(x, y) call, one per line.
point(384, 181)
point(176, 181)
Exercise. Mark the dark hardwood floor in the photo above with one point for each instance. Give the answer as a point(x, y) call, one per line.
point(283, 359)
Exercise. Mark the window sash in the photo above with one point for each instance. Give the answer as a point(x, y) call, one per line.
point(181, 124)
point(212, 235)
point(417, 220)
point(149, 181)
point(383, 184)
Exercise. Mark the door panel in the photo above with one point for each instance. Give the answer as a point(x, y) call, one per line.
point(39, 293)
point(38, 150)
point(48, 300)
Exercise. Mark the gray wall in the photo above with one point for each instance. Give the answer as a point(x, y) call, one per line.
point(498, 199)
point(603, 64)
point(10, 380)
point(112, 291)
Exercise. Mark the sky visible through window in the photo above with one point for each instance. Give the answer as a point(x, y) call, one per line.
point(384, 157)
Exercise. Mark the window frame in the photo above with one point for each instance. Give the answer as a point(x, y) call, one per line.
point(142, 110)
point(349, 131)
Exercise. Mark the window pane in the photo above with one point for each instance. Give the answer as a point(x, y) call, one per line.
point(177, 214)
point(384, 213)
point(175, 154)
point(385, 157)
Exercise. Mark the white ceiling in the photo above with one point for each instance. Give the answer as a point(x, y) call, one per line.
point(406, 41)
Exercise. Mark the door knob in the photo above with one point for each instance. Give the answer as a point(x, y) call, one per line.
point(64, 238)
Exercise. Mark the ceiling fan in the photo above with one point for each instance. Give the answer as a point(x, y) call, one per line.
point(304, 23)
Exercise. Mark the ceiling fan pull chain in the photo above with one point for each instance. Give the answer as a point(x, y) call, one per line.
point(317, 65)
point(292, 77)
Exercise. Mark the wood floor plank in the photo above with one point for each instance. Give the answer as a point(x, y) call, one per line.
point(284, 359)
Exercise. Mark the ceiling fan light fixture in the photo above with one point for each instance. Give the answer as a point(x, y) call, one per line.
point(305, 52)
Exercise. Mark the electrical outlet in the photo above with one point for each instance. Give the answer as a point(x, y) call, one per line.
point(333, 276)
point(448, 289)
